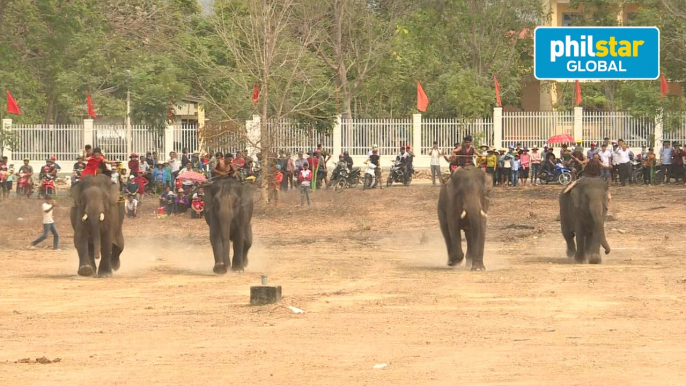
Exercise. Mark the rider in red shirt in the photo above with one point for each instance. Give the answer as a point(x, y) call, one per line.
point(95, 164)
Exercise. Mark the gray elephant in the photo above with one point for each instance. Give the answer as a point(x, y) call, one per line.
point(97, 217)
point(462, 206)
point(228, 212)
point(583, 207)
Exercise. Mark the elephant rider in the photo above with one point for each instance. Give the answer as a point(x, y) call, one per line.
point(452, 160)
point(577, 162)
point(224, 167)
point(592, 169)
point(96, 164)
point(465, 152)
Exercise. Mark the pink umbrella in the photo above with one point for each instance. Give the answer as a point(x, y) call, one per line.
point(561, 138)
point(192, 176)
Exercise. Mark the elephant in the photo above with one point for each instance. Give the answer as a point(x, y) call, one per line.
point(462, 206)
point(228, 212)
point(97, 217)
point(583, 207)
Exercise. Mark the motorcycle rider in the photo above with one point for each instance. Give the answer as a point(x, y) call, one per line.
point(375, 159)
point(409, 159)
point(402, 158)
point(348, 159)
point(340, 165)
point(77, 169)
point(28, 171)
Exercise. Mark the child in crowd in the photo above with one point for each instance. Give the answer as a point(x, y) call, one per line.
point(305, 178)
point(516, 166)
point(182, 202)
point(197, 206)
point(525, 160)
point(275, 183)
point(141, 181)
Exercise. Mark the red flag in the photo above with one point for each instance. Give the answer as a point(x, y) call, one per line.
point(91, 112)
point(497, 91)
point(422, 100)
point(578, 93)
point(12, 106)
point(255, 94)
point(664, 87)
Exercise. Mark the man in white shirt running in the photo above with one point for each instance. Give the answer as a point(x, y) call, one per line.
point(48, 224)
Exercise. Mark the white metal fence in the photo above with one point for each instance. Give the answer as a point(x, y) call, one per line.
point(635, 131)
point(185, 137)
point(533, 128)
point(111, 139)
point(448, 132)
point(40, 142)
point(291, 137)
point(359, 135)
point(674, 127)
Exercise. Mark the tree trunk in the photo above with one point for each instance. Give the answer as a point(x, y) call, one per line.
point(49, 111)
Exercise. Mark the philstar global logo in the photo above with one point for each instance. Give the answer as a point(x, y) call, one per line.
point(598, 53)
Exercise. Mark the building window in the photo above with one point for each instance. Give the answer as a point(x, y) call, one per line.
point(569, 19)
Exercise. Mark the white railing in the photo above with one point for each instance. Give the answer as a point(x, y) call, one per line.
point(289, 136)
point(111, 139)
point(186, 137)
point(359, 135)
point(448, 132)
point(635, 131)
point(674, 128)
point(533, 128)
point(40, 142)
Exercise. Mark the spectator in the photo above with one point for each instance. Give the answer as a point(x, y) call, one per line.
point(678, 163)
point(516, 166)
point(149, 160)
point(491, 164)
point(168, 201)
point(605, 156)
point(624, 164)
point(185, 157)
point(525, 160)
point(134, 165)
point(290, 171)
point(435, 163)
point(48, 224)
point(158, 177)
point(167, 174)
point(305, 178)
point(615, 161)
point(131, 206)
point(131, 186)
point(197, 206)
point(275, 183)
point(141, 182)
point(506, 170)
point(649, 163)
point(182, 202)
point(535, 164)
point(175, 166)
point(499, 172)
point(593, 150)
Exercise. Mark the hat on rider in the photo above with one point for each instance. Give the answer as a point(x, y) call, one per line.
point(375, 146)
point(133, 155)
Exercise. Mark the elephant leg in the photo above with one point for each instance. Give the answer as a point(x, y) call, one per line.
point(116, 252)
point(86, 262)
point(445, 230)
point(455, 255)
point(91, 256)
point(247, 243)
point(571, 245)
point(105, 268)
point(593, 248)
point(217, 249)
point(238, 244)
point(580, 231)
point(468, 234)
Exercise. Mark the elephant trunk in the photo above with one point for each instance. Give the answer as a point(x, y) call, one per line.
point(477, 229)
point(95, 235)
point(598, 215)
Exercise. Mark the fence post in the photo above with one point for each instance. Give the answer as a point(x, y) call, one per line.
point(252, 128)
point(417, 133)
point(337, 137)
point(498, 127)
point(6, 151)
point(168, 145)
point(578, 123)
point(659, 135)
point(88, 132)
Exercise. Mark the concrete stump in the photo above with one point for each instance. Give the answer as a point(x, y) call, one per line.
point(265, 294)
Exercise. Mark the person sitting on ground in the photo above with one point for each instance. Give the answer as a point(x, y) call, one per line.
point(197, 206)
point(131, 186)
point(168, 201)
point(182, 202)
point(131, 206)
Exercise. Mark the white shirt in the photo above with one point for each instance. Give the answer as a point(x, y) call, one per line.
point(615, 156)
point(175, 164)
point(435, 157)
point(130, 205)
point(47, 217)
point(624, 155)
point(605, 157)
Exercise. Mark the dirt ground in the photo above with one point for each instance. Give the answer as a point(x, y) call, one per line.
point(369, 270)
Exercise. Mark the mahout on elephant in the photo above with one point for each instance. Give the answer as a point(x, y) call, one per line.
point(97, 217)
point(228, 212)
point(583, 207)
point(462, 206)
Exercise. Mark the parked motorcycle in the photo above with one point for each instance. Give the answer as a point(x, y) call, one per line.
point(24, 185)
point(342, 177)
point(370, 180)
point(561, 174)
point(397, 174)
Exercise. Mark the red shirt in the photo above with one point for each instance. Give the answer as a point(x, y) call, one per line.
point(239, 162)
point(92, 165)
point(198, 205)
point(141, 181)
point(134, 166)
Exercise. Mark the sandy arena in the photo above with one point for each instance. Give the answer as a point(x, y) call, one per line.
point(369, 270)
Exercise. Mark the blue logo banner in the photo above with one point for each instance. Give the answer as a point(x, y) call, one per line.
point(598, 53)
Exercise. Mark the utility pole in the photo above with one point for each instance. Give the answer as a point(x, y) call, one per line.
point(129, 144)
